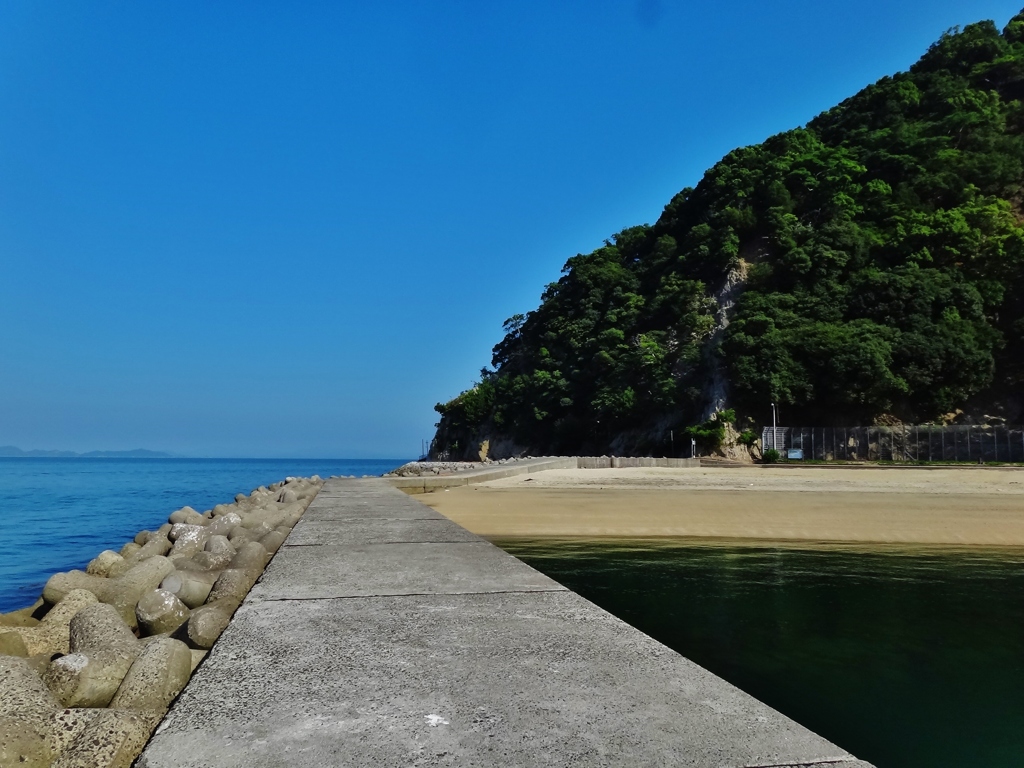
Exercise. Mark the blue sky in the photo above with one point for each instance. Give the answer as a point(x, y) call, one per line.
point(288, 229)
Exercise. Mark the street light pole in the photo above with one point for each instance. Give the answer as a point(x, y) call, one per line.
point(774, 433)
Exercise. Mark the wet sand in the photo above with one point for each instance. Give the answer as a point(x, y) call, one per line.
point(959, 507)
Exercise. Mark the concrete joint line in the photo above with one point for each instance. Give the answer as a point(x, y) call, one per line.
point(827, 761)
point(382, 519)
point(385, 543)
point(431, 594)
point(385, 519)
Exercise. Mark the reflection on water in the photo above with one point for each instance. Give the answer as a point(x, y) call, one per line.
point(904, 657)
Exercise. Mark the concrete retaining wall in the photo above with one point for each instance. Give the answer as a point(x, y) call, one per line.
point(594, 462)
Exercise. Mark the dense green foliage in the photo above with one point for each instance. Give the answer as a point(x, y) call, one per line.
point(880, 251)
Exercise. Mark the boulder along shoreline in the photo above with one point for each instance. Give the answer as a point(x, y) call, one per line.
point(89, 670)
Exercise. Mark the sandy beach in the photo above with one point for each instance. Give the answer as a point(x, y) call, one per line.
point(963, 507)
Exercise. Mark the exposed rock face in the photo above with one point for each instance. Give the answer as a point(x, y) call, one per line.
point(716, 391)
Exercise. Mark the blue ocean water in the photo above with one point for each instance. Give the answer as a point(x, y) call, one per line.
point(58, 514)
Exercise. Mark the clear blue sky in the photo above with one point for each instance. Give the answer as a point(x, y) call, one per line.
point(288, 229)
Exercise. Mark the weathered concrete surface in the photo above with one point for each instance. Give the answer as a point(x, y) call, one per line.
point(363, 499)
point(449, 653)
point(369, 531)
point(305, 573)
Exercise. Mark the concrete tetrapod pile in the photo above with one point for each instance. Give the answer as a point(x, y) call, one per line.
point(88, 672)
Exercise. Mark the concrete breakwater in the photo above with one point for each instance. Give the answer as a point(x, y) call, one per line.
point(89, 670)
point(383, 634)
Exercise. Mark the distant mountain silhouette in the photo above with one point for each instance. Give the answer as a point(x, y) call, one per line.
point(10, 451)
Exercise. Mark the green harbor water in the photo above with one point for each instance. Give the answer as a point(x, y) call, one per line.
point(906, 658)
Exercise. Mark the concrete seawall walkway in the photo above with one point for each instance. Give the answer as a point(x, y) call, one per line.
point(383, 634)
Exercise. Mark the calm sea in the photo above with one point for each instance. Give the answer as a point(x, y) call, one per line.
point(57, 514)
point(909, 659)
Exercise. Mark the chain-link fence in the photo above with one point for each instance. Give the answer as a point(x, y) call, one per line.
point(967, 443)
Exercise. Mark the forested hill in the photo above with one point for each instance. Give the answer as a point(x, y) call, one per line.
point(867, 267)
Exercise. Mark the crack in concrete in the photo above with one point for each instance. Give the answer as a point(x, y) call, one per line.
point(383, 543)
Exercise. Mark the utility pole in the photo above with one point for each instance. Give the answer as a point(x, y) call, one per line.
point(774, 420)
